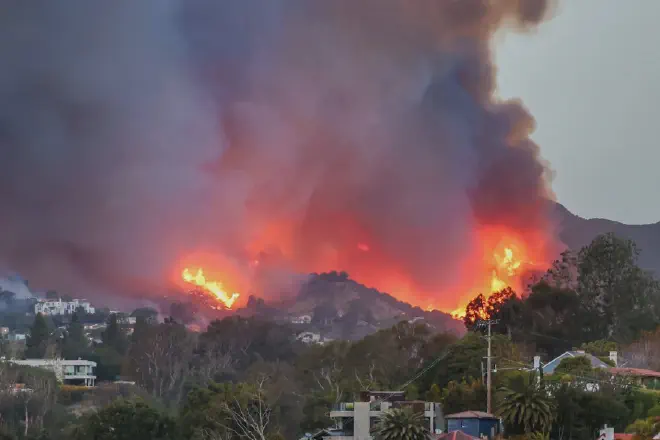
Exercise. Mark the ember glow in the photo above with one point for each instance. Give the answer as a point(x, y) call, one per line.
point(214, 288)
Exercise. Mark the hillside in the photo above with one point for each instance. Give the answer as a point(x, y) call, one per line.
point(576, 232)
point(342, 308)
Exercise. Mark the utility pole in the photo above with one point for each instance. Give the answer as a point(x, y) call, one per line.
point(489, 368)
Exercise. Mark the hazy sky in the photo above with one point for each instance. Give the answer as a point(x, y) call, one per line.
point(590, 77)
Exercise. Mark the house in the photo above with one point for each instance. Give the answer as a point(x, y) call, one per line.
point(302, 319)
point(309, 338)
point(59, 307)
point(69, 372)
point(640, 376)
point(17, 336)
point(609, 434)
point(474, 423)
point(355, 420)
point(550, 367)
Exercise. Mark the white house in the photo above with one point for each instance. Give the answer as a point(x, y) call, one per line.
point(126, 320)
point(59, 307)
point(66, 371)
point(309, 338)
point(302, 319)
point(17, 336)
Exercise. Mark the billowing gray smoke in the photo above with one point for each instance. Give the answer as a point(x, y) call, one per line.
point(133, 133)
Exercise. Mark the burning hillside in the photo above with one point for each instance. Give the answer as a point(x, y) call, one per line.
point(276, 137)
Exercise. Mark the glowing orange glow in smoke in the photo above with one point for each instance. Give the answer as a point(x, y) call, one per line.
point(497, 257)
point(215, 288)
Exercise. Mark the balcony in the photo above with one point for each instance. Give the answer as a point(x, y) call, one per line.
point(343, 406)
point(343, 409)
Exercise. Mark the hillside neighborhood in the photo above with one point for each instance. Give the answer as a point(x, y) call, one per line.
point(93, 353)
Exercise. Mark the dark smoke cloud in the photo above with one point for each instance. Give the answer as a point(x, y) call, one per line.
point(132, 133)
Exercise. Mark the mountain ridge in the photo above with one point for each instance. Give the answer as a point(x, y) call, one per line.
point(576, 232)
point(342, 308)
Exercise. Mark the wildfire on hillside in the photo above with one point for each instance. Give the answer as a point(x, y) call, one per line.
point(214, 288)
point(509, 260)
point(501, 258)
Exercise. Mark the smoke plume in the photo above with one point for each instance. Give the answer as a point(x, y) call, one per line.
point(294, 135)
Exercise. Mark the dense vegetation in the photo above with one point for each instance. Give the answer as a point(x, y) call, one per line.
point(251, 379)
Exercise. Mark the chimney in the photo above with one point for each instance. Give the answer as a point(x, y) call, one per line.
point(537, 362)
point(614, 357)
point(606, 433)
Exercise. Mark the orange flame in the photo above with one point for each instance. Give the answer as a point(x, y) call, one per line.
point(213, 287)
point(508, 265)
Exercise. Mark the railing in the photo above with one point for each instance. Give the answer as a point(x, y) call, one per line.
point(343, 406)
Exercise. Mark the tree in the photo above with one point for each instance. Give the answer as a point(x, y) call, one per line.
point(525, 406)
point(575, 366)
point(127, 420)
point(645, 352)
point(159, 358)
point(401, 424)
point(464, 396)
point(75, 343)
point(503, 306)
point(644, 429)
point(113, 336)
point(601, 347)
point(147, 313)
point(222, 411)
point(37, 341)
point(622, 297)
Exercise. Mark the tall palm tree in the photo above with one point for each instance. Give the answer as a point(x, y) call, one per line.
point(525, 404)
point(401, 424)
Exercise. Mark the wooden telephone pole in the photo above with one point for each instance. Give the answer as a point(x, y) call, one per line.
point(489, 365)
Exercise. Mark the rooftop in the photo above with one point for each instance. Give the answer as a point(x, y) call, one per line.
point(595, 362)
point(471, 415)
point(637, 372)
point(454, 435)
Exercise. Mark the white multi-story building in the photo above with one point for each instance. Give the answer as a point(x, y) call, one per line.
point(59, 307)
point(355, 420)
point(66, 371)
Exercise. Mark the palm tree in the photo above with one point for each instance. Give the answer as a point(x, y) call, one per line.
point(401, 424)
point(525, 404)
point(645, 429)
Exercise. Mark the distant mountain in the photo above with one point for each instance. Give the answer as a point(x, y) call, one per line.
point(577, 232)
point(341, 308)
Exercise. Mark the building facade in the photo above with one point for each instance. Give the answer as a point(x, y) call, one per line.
point(355, 420)
point(474, 423)
point(59, 307)
point(69, 372)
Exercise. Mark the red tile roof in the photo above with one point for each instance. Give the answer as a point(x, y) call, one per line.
point(454, 435)
point(637, 372)
point(623, 436)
